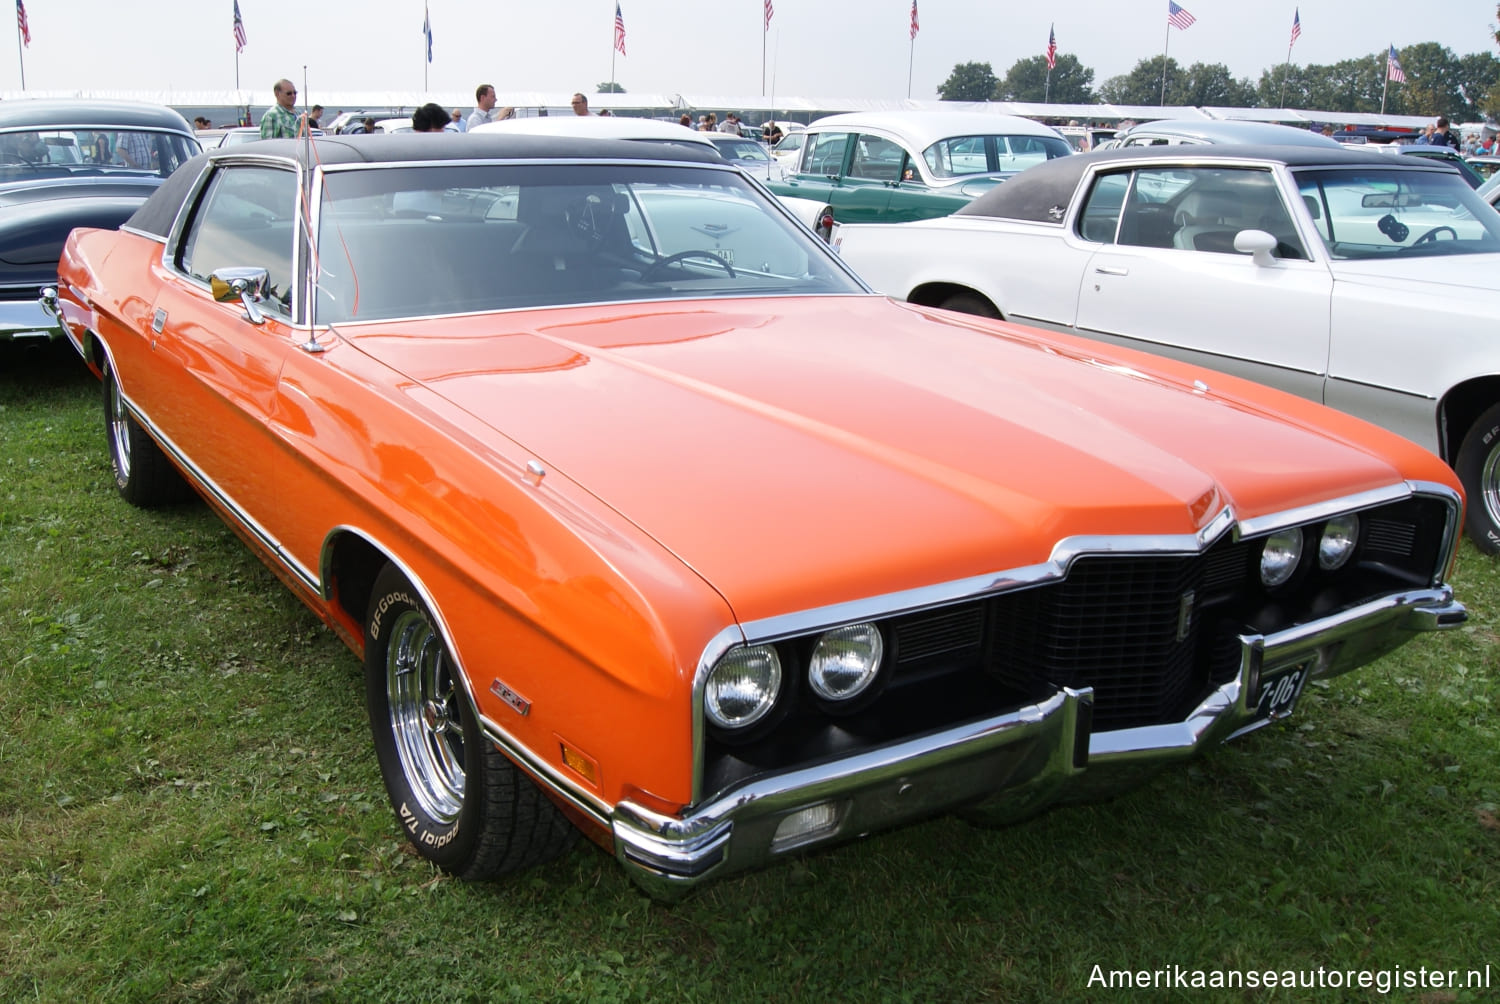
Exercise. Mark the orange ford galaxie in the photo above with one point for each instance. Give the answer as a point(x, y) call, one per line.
point(645, 515)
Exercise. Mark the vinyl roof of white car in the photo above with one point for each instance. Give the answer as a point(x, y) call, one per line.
point(598, 127)
point(922, 129)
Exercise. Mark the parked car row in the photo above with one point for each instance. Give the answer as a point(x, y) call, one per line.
point(647, 517)
point(1297, 267)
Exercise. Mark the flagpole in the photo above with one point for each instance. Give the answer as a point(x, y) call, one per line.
point(1383, 85)
point(910, 59)
point(1166, 42)
point(765, 29)
point(20, 52)
point(1285, 68)
point(1047, 93)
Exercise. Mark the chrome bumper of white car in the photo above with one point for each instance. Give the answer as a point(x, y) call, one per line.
point(1000, 769)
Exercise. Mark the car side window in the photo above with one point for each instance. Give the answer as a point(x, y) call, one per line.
point(877, 159)
point(1218, 203)
point(1100, 218)
point(824, 153)
point(1202, 209)
point(246, 218)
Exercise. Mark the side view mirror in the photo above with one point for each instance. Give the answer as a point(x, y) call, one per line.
point(1258, 245)
point(246, 286)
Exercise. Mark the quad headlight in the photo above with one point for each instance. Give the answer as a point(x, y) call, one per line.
point(743, 687)
point(1279, 557)
point(845, 661)
point(1340, 535)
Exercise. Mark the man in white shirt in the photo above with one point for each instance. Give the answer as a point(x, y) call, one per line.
point(484, 105)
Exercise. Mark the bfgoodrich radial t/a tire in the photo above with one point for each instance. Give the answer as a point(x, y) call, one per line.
point(1478, 467)
point(143, 474)
point(463, 804)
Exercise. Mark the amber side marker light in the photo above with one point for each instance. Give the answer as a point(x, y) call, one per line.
point(582, 765)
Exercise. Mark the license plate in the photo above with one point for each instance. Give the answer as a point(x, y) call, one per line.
point(1279, 691)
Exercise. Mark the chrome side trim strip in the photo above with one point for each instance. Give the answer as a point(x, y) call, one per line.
point(219, 495)
point(595, 807)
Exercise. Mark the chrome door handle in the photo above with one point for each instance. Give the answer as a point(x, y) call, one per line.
point(1112, 270)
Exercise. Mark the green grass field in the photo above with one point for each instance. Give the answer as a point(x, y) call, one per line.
point(190, 811)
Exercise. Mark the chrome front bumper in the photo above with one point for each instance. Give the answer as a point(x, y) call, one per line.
point(1000, 769)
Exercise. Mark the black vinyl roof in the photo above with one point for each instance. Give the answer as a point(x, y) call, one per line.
point(404, 150)
point(33, 113)
point(1038, 191)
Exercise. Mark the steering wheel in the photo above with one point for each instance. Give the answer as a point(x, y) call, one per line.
point(1432, 235)
point(660, 265)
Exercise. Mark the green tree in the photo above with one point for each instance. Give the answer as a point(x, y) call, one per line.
point(609, 87)
point(1212, 84)
point(1354, 85)
point(1026, 80)
point(968, 82)
point(1432, 81)
point(1284, 86)
point(1142, 85)
point(1478, 77)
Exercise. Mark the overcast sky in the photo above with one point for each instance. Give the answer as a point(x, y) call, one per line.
point(845, 48)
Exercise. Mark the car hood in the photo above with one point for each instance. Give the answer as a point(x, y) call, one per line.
point(803, 452)
point(1468, 271)
point(84, 186)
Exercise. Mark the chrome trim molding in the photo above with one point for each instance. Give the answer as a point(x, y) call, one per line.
point(210, 486)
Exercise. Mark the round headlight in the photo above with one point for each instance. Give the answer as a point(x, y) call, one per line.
point(1340, 534)
point(743, 686)
point(845, 661)
point(1279, 556)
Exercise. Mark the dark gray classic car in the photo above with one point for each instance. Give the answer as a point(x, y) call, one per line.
point(66, 164)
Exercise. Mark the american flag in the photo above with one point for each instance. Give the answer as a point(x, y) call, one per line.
point(239, 29)
point(426, 30)
point(619, 30)
point(1393, 69)
point(21, 24)
point(915, 27)
point(1052, 47)
point(1178, 16)
point(769, 11)
point(1296, 26)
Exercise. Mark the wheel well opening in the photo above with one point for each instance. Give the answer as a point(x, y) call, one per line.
point(350, 568)
point(935, 294)
point(1461, 408)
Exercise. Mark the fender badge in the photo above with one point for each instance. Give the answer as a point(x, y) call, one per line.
point(518, 704)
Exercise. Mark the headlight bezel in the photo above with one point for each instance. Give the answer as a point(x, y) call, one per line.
point(1289, 570)
point(1350, 534)
point(766, 713)
point(873, 683)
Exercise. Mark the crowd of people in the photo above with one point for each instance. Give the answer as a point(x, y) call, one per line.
point(282, 121)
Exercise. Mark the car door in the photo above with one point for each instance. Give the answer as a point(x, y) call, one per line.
point(863, 194)
point(820, 166)
point(1171, 282)
point(219, 370)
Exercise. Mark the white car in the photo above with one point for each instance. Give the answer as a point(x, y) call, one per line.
point(906, 165)
point(816, 215)
point(1363, 281)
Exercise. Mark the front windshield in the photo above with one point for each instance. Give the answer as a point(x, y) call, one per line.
point(961, 156)
point(1376, 213)
point(412, 241)
point(742, 149)
point(35, 153)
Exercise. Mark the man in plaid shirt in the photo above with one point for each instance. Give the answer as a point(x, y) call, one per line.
point(281, 122)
